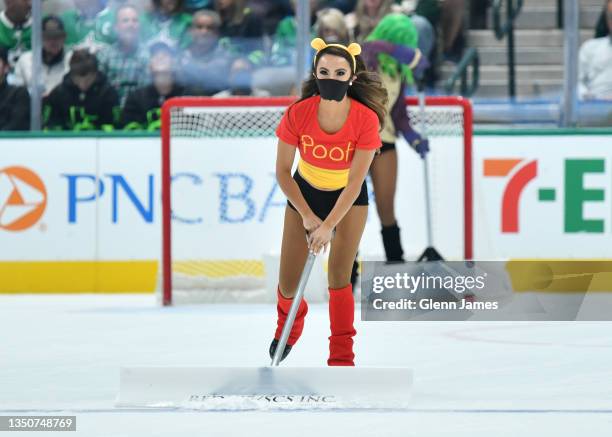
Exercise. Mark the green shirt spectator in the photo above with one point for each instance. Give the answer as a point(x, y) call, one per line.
point(283, 48)
point(166, 23)
point(16, 28)
point(284, 40)
point(89, 30)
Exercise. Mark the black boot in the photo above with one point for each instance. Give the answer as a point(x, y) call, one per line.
point(273, 347)
point(392, 243)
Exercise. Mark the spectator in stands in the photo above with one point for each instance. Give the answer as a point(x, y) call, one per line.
point(271, 11)
point(85, 100)
point(243, 29)
point(14, 100)
point(328, 24)
point(428, 9)
point(90, 23)
point(206, 64)
point(125, 62)
point(452, 24)
point(595, 67)
point(167, 23)
point(284, 40)
point(425, 15)
point(16, 28)
point(331, 26)
point(142, 107)
point(55, 58)
point(422, 13)
point(366, 16)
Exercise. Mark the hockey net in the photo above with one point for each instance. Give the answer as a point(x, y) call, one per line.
point(222, 210)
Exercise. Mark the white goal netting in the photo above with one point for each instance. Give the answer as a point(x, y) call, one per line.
point(245, 122)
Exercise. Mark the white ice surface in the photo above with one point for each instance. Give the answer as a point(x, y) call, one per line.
point(61, 354)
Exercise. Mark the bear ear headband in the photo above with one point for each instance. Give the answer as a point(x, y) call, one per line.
point(353, 49)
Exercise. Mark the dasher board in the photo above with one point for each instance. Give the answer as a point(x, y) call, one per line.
point(264, 387)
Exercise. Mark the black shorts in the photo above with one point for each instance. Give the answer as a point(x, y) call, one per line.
point(322, 202)
point(386, 147)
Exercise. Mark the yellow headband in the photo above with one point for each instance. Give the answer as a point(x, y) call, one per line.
point(353, 49)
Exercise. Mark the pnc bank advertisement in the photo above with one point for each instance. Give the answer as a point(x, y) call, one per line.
point(95, 208)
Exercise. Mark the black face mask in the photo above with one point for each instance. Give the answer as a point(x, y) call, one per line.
point(332, 89)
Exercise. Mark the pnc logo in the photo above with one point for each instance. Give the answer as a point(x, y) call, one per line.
point(23, 198)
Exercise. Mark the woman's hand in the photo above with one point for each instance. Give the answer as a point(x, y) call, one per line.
point(320, 238)
point(311, 222)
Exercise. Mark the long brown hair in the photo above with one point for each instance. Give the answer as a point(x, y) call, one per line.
point(366, 89)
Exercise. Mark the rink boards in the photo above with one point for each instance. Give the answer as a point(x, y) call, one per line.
point(91, 220)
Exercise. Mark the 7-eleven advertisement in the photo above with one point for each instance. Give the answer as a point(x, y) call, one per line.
point(543, 197)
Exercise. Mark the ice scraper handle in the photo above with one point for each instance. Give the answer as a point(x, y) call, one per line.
point(297, 299)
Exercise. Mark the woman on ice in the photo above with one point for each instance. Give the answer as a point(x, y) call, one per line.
point(391, 51)
point(335, 129)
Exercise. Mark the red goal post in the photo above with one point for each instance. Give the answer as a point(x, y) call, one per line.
point(224, 113)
